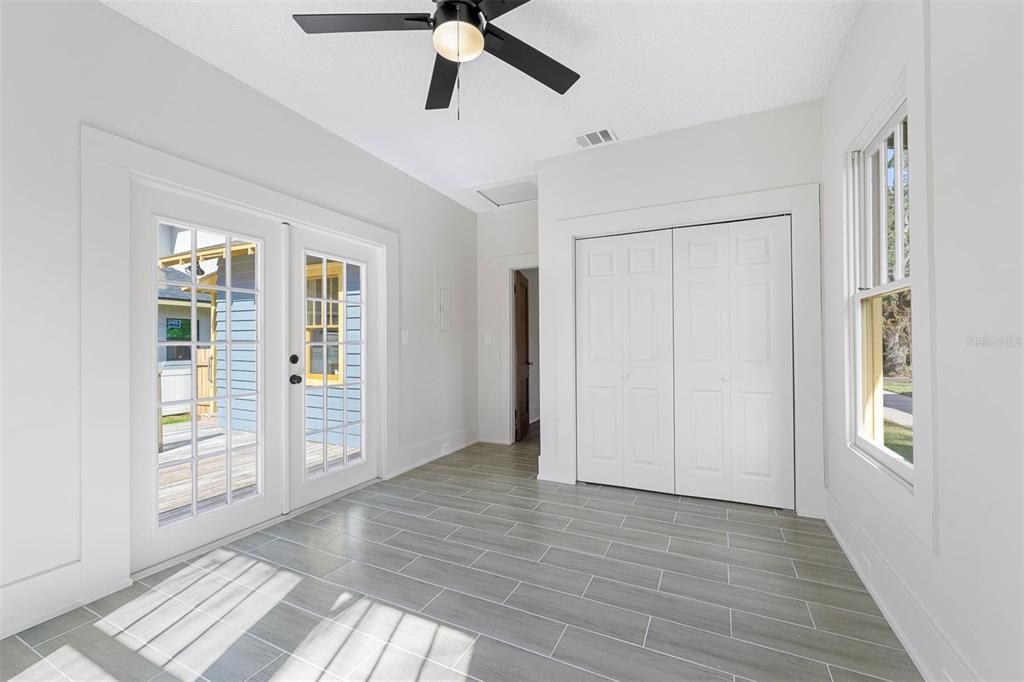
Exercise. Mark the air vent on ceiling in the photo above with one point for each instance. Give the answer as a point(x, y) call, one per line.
point(603, 136)
point(513, 193)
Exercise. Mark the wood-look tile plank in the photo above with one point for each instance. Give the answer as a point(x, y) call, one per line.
point(417, 524)
point(715, 537)
point(790, 551)
point(499, 543)
point(459, 503)
point(699, 614)
point(852, 624)
point(840, 577)
point(468, 520)
point(853, 654)
point(621, 661)
point(533, 518)
point(627, 536)
point(726, 526)
point(531, 632)
point(415, 632)
point(732, 655)
point(733, 556)
point(357, 527)
point(399, 504)
point(557, 538)
point(679, 563)
point(631, 510)
point(581, 513)
point(735, 597)
point(545, 575)
point(461, 578)
point(588, 614)
point(496, 661)
point(434, 547)
point(392, 587)
point(635, 574)
point(504, 500)
point(299, 557)
point(807, 590)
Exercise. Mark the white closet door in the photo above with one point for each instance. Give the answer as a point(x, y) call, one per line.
point(762, 362)
point(599, 360)
point(703, 444)
point(647, 421)
point(734, 362)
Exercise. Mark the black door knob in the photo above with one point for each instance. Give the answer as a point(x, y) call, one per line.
point(295, 379)
point(293, 358)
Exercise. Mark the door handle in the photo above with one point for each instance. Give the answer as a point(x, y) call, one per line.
point(295, 379)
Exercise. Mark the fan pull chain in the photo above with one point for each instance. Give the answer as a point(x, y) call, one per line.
point(458, 74)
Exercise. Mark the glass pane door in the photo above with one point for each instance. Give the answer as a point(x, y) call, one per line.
point(209, 311)
point(331, 333)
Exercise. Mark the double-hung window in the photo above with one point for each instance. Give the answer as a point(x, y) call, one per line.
point(881, 305)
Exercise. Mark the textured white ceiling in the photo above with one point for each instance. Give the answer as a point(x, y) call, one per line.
point(647, 66)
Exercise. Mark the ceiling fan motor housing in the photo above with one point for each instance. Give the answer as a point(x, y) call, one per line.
point(459, 27)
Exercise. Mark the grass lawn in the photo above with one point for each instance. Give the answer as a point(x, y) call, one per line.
point(900, 440)
point(898, 385)
point(175, 418)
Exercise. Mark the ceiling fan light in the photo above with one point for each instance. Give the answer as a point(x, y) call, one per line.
point(458, 41)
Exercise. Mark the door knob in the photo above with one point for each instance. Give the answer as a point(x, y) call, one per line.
point(724, 379)
point(295, 379)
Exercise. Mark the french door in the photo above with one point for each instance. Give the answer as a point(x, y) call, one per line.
point(332, 326)
point(249, 364)
point(207, 368)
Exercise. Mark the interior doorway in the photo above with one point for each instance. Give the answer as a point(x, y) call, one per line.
point(525, 353)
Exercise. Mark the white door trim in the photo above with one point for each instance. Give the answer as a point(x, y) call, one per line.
point(109, 163)
point(510, 264)
point(558, 401)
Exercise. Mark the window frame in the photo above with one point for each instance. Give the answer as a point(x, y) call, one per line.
point(869, 261)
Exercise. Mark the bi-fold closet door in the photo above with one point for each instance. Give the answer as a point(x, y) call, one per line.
point(684, 361)
point(624, 351)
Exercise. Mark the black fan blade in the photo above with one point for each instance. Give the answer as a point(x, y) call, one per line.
point(493, 9)
point(442, 83)
point(358, 23)
point(529, 60)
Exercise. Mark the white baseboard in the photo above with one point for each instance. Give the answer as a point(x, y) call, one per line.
point(427, 451)
point(935, 656)
point(12, 625)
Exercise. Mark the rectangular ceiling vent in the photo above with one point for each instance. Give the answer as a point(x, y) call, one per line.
point(603, 136)
point(513, 193)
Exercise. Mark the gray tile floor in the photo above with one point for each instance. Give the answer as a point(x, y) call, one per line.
point(471, 568)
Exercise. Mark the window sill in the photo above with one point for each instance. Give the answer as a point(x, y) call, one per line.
point(889, 463)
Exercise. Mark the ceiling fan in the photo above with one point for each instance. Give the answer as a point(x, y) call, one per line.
point(462, 30)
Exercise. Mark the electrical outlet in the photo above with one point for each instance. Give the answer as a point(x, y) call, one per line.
point(405, 337)
point(446, 448)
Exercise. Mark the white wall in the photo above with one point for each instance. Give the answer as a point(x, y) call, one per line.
point(65, 64)
point(506, 241)
point(533, 277)
point(657, 182)
point(945, 559)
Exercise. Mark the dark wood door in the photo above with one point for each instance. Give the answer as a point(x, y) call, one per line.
point(522, 336)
